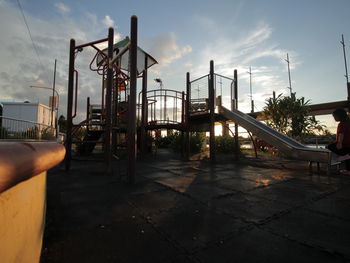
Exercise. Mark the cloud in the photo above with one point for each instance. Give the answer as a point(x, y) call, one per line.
point(233, 48)
point(165, 49)
point(62, 8)
point(51, 38)
point(108, 21)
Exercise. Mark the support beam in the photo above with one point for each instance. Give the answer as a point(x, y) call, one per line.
point(183, 106)
point(132, 101)
point(68, 156)
point(87, 113)
point(235, 86)
point(115, 115)
point(108, 120)
point(143, 139)
point(187, 116)
point(211, 92)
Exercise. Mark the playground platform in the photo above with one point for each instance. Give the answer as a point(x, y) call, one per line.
point(197, 211)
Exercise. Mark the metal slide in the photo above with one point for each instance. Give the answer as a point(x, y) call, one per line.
point(285, 144)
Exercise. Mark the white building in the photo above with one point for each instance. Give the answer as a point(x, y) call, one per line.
point(26, 111)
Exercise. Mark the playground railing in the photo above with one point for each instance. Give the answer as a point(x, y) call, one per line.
point(17, 129)
point(163, 106)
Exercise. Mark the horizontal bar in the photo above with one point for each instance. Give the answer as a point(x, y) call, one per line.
point(91, 43)
point(199, 78)
point(223, 76)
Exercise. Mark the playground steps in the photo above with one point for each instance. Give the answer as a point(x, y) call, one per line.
point(90, 141)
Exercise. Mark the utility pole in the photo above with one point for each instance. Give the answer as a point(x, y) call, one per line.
point(53, 101)
point(290, 82)
point(346, 67)
point(250, 89)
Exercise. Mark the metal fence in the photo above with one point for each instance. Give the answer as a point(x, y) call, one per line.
point(223, 87)
point(165, 106)
point(16, 129)
point(200, 92)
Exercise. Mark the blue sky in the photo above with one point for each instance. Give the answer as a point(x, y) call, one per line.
point(183, 36)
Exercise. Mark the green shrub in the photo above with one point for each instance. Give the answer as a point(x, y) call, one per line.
point(165, 142)
point(3, 133)
point(225, 144)
point(174, 141)
point(197, 142)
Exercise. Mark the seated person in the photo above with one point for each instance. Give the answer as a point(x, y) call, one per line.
point(342, 143)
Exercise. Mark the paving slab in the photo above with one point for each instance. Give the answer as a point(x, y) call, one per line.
point(336, 180)
point(258, 245)
point(156, 174)
point(156, 202)
point(196, 211)
point(195, 226)
point(249, 208)
point(333, 206)
point(177, 183)
point(295, 192)
point(206, 192)
point(343, 193)
point(316, 230)
point(239, 184)
point(126, 241)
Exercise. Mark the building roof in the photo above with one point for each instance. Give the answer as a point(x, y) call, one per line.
point(24, 103)
point(124, 63)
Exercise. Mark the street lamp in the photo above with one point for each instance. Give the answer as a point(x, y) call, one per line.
point(52, 104)
point(158, 80)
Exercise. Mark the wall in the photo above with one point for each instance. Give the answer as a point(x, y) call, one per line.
point(44, 115)
point(22, 220)
point(21, 111)
point(23, 169)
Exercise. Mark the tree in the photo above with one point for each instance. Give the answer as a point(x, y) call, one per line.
point(62, 123)
point(290, 115)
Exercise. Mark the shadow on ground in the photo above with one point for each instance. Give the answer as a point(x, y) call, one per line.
point(247, 211)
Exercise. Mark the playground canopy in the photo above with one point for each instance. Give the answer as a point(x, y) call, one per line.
point(122, 47)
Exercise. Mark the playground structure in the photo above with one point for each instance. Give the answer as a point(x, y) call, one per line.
point(121, 122)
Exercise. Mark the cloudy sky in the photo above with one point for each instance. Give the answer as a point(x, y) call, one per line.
point(183, 36)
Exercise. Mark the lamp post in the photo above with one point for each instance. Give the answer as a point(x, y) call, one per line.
point(52, 104)
point(158, 80)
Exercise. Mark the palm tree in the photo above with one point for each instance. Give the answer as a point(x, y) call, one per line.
point(290, 115)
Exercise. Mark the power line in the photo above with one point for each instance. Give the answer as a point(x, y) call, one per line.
point(31, 38)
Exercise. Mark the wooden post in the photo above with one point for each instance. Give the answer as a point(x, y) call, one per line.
point(187, 116)
point(70, 105)
point(87, 113)
point(108, 120)
point(212, 112)
point(144, 120)
point(235, 79)
point(132, 101)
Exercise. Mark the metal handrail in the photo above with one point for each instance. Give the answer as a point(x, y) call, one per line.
point(32, 122)
point(18, 129)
